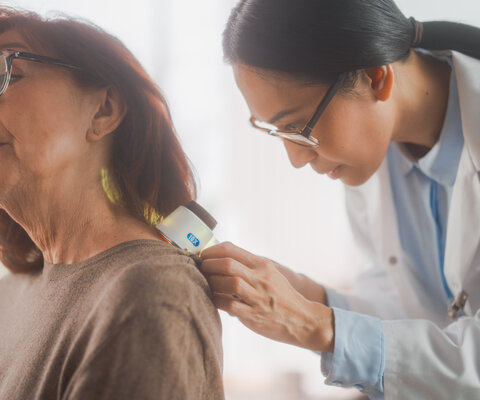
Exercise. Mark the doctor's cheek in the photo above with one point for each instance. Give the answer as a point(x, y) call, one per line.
point(252, 289)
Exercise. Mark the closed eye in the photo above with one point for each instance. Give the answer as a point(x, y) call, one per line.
point(294, 127)
point(15, 77)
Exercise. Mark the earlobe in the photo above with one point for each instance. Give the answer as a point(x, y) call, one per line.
point(381, 81)
point(94, 134)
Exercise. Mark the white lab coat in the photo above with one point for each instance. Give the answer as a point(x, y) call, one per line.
point(428, 354)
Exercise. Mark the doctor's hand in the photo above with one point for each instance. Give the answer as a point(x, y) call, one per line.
point(251, 288)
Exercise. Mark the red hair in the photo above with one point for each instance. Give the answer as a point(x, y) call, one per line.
point(149, 168)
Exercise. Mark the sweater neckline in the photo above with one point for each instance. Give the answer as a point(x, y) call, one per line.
point(57, 271)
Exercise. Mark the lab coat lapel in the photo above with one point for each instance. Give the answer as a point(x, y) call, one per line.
point(463, 235)
point(385, 219)
point(468, 81)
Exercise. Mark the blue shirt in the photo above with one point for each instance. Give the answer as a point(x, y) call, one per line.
point(422, 191)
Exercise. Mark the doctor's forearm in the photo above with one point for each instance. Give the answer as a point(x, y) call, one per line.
point(304, 285)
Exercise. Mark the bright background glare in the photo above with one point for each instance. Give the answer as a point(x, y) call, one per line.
point(262, 204)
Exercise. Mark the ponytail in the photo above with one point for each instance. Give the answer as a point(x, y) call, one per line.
point(442, 35)
point(316, 40)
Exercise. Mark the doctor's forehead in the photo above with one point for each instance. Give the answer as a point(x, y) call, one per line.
point(267, 93)
point(250, 78)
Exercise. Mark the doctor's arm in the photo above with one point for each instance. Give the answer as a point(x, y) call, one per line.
point(252, 289)
point(385, 359)
point(308, 288)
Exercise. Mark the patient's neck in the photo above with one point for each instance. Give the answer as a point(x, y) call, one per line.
point(73, 225)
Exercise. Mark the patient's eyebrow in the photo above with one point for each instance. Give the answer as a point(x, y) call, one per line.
point(12, 46)
point(282, 114)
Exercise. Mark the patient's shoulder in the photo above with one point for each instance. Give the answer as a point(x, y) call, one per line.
point(152, 274)
point(151, 302)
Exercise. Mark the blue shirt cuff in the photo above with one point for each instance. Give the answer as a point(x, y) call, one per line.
point(358, 359)
point(335, 299)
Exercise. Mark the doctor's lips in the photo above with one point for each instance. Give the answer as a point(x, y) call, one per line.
point(334, 173)
point(331, 173)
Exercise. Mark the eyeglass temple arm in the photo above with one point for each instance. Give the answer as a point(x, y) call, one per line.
point(328, 97)
point(42, 59)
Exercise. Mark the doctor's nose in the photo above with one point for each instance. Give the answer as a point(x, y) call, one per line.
point(299, 155)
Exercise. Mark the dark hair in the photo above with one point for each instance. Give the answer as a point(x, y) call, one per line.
point(150, 175)
point(316, 40)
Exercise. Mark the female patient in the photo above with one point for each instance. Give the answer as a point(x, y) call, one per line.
point(96, 306)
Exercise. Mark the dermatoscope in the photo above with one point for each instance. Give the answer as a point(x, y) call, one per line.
point(189, 228)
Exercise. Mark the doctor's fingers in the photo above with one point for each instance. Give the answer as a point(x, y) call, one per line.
point(229, 250)
point(235, 287)
point(225, 266)
point(235, 307)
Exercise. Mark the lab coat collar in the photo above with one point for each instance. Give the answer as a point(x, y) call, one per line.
point(406, 160)
point(468, 81)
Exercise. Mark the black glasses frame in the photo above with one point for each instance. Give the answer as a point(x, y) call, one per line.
point(304, 135)
point(28, 57)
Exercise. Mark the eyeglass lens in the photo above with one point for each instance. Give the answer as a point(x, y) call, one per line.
point(295, 138)
point(3, 72)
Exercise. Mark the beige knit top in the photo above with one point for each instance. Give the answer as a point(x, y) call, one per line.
point(133, 322)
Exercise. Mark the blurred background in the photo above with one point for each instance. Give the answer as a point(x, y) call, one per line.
point(244, 178)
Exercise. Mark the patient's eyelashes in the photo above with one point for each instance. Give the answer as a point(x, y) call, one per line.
point(15, 77)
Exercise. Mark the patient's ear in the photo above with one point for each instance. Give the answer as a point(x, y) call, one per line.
point(381, 81)
point(110, 111)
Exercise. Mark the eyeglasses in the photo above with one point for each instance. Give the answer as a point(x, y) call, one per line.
point(6, 60)
point(303, 137)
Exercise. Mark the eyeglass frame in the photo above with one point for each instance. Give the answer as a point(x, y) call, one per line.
point(307, 130)
point(22, 55)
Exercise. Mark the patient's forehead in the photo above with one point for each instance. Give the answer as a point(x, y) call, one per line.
point(12, 39)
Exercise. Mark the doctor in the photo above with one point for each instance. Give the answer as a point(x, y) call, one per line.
point(391, 107)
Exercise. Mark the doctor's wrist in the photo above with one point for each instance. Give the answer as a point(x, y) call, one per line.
point(320, 332)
